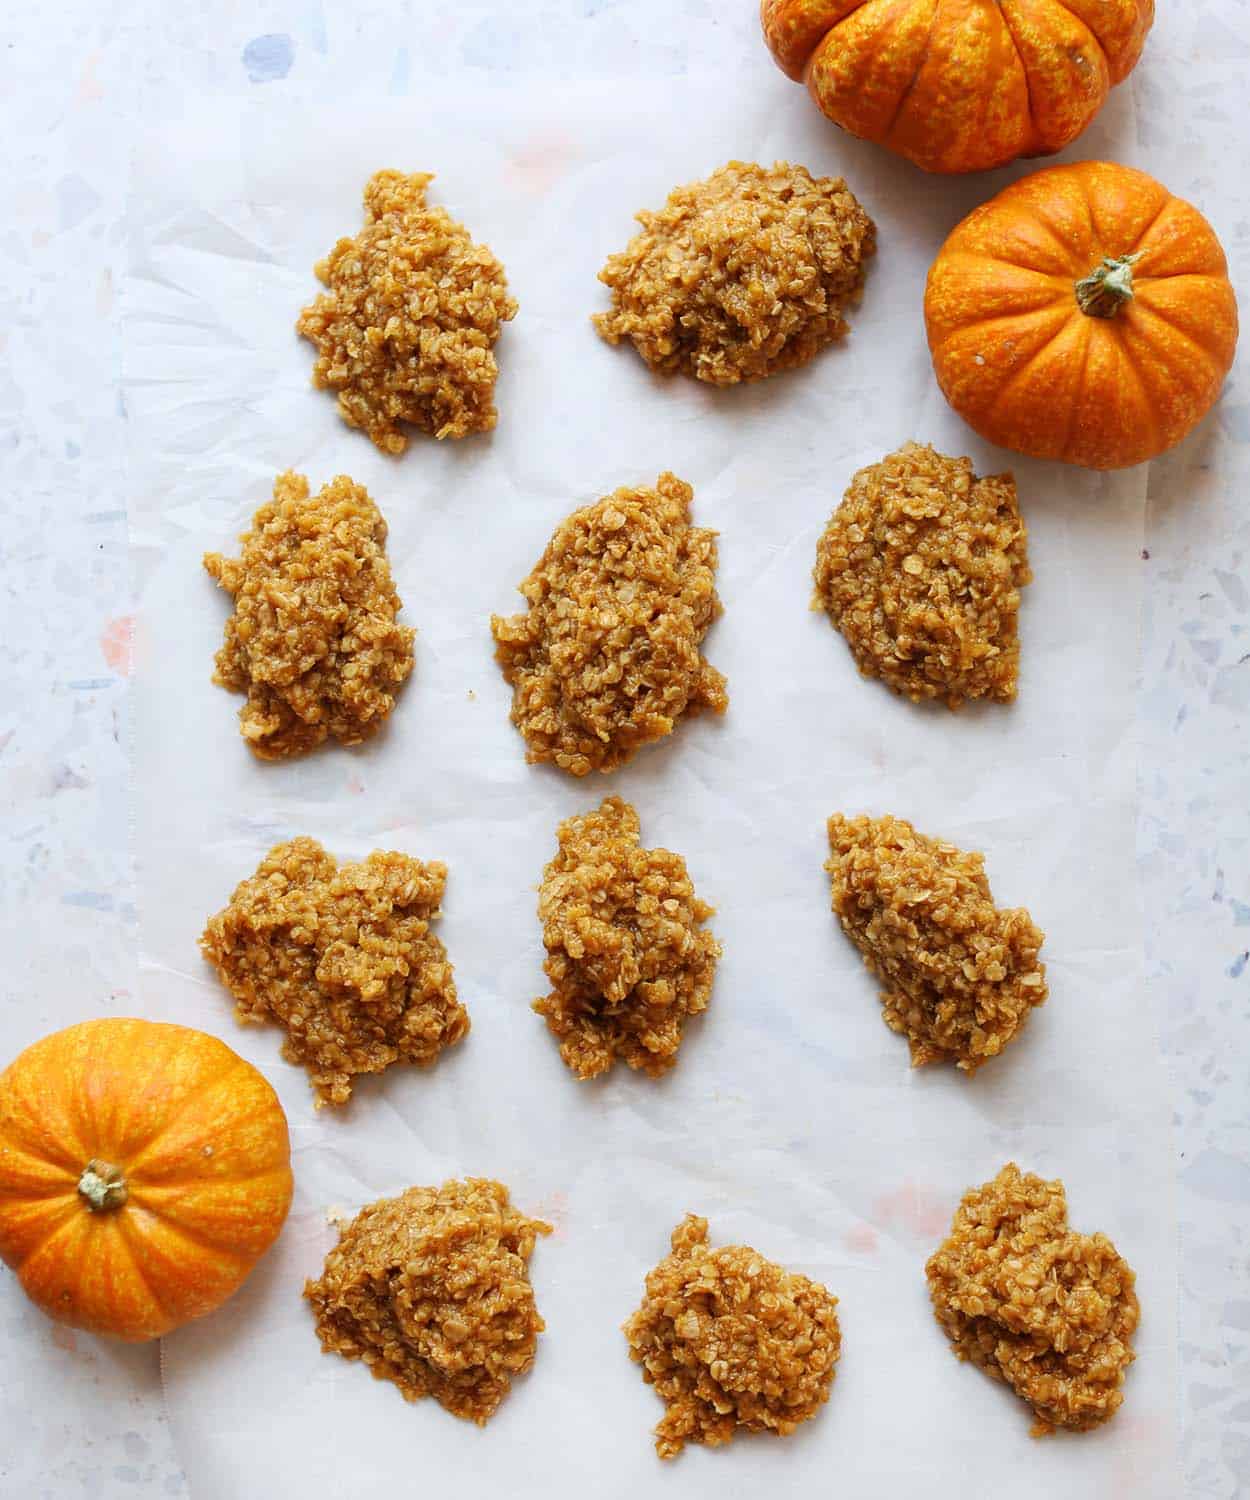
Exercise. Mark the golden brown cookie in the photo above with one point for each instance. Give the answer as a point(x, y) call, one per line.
point(628, 956)
point(342, 957)
point(432, 1290)
point(731, 1341)
point(960, 975)
point(407, 325)
point(921, 568)
point(740, 275)
point(1034, 1303)
point(607, 657)
point(313, 640)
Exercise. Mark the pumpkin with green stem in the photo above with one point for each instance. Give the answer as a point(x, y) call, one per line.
point(1083, 314)
point(144, 1169)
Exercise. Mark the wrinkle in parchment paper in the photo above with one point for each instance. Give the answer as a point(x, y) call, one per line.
point(792, 1120)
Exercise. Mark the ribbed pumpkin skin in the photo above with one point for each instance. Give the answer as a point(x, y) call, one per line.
point(1022, 363)
point(959, 85)
point(203, 1145)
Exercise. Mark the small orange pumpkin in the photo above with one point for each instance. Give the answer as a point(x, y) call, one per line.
point(959, 85)
point(144, 1168)
point(1083, 314)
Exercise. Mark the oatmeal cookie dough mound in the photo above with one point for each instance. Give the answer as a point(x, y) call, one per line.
point(607, 658)
point(413, 308)
point(342, 957)
point(921, 569)
point(1032, 1302)
point(431, 1290)
point(731, 1340)
point(628, 957)
point(960, 975)
point(313, 640)
point(741, 275)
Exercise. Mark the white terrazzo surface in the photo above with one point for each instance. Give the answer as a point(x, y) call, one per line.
point(80, 1418)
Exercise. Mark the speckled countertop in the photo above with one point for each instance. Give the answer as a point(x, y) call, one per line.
point(81, 1418)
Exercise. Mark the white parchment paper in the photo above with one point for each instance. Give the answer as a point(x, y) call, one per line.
point(792, 1120)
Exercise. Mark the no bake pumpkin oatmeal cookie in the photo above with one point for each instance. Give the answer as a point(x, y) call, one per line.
point(730, 1340)
point(313, 640)
point(627, 953)
point(960, 975)
point(921, 568)
point(607, 658)
point(431, 1290)
point(1034, 1303)
point(412, 311)
point(342, 957)
point(740, 275)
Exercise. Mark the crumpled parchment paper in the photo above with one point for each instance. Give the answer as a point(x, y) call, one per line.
point(792, 1120)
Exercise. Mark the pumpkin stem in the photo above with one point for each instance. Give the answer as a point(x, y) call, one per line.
point(102, 1186)
point(1107, 288)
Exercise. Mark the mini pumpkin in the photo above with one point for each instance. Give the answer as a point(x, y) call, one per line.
point(959, 85)
point(1083, 314)
point(144, 1168)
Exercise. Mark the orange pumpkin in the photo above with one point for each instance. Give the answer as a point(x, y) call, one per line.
point(959, 85)
point(144, 1168)
point(1083, 314)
